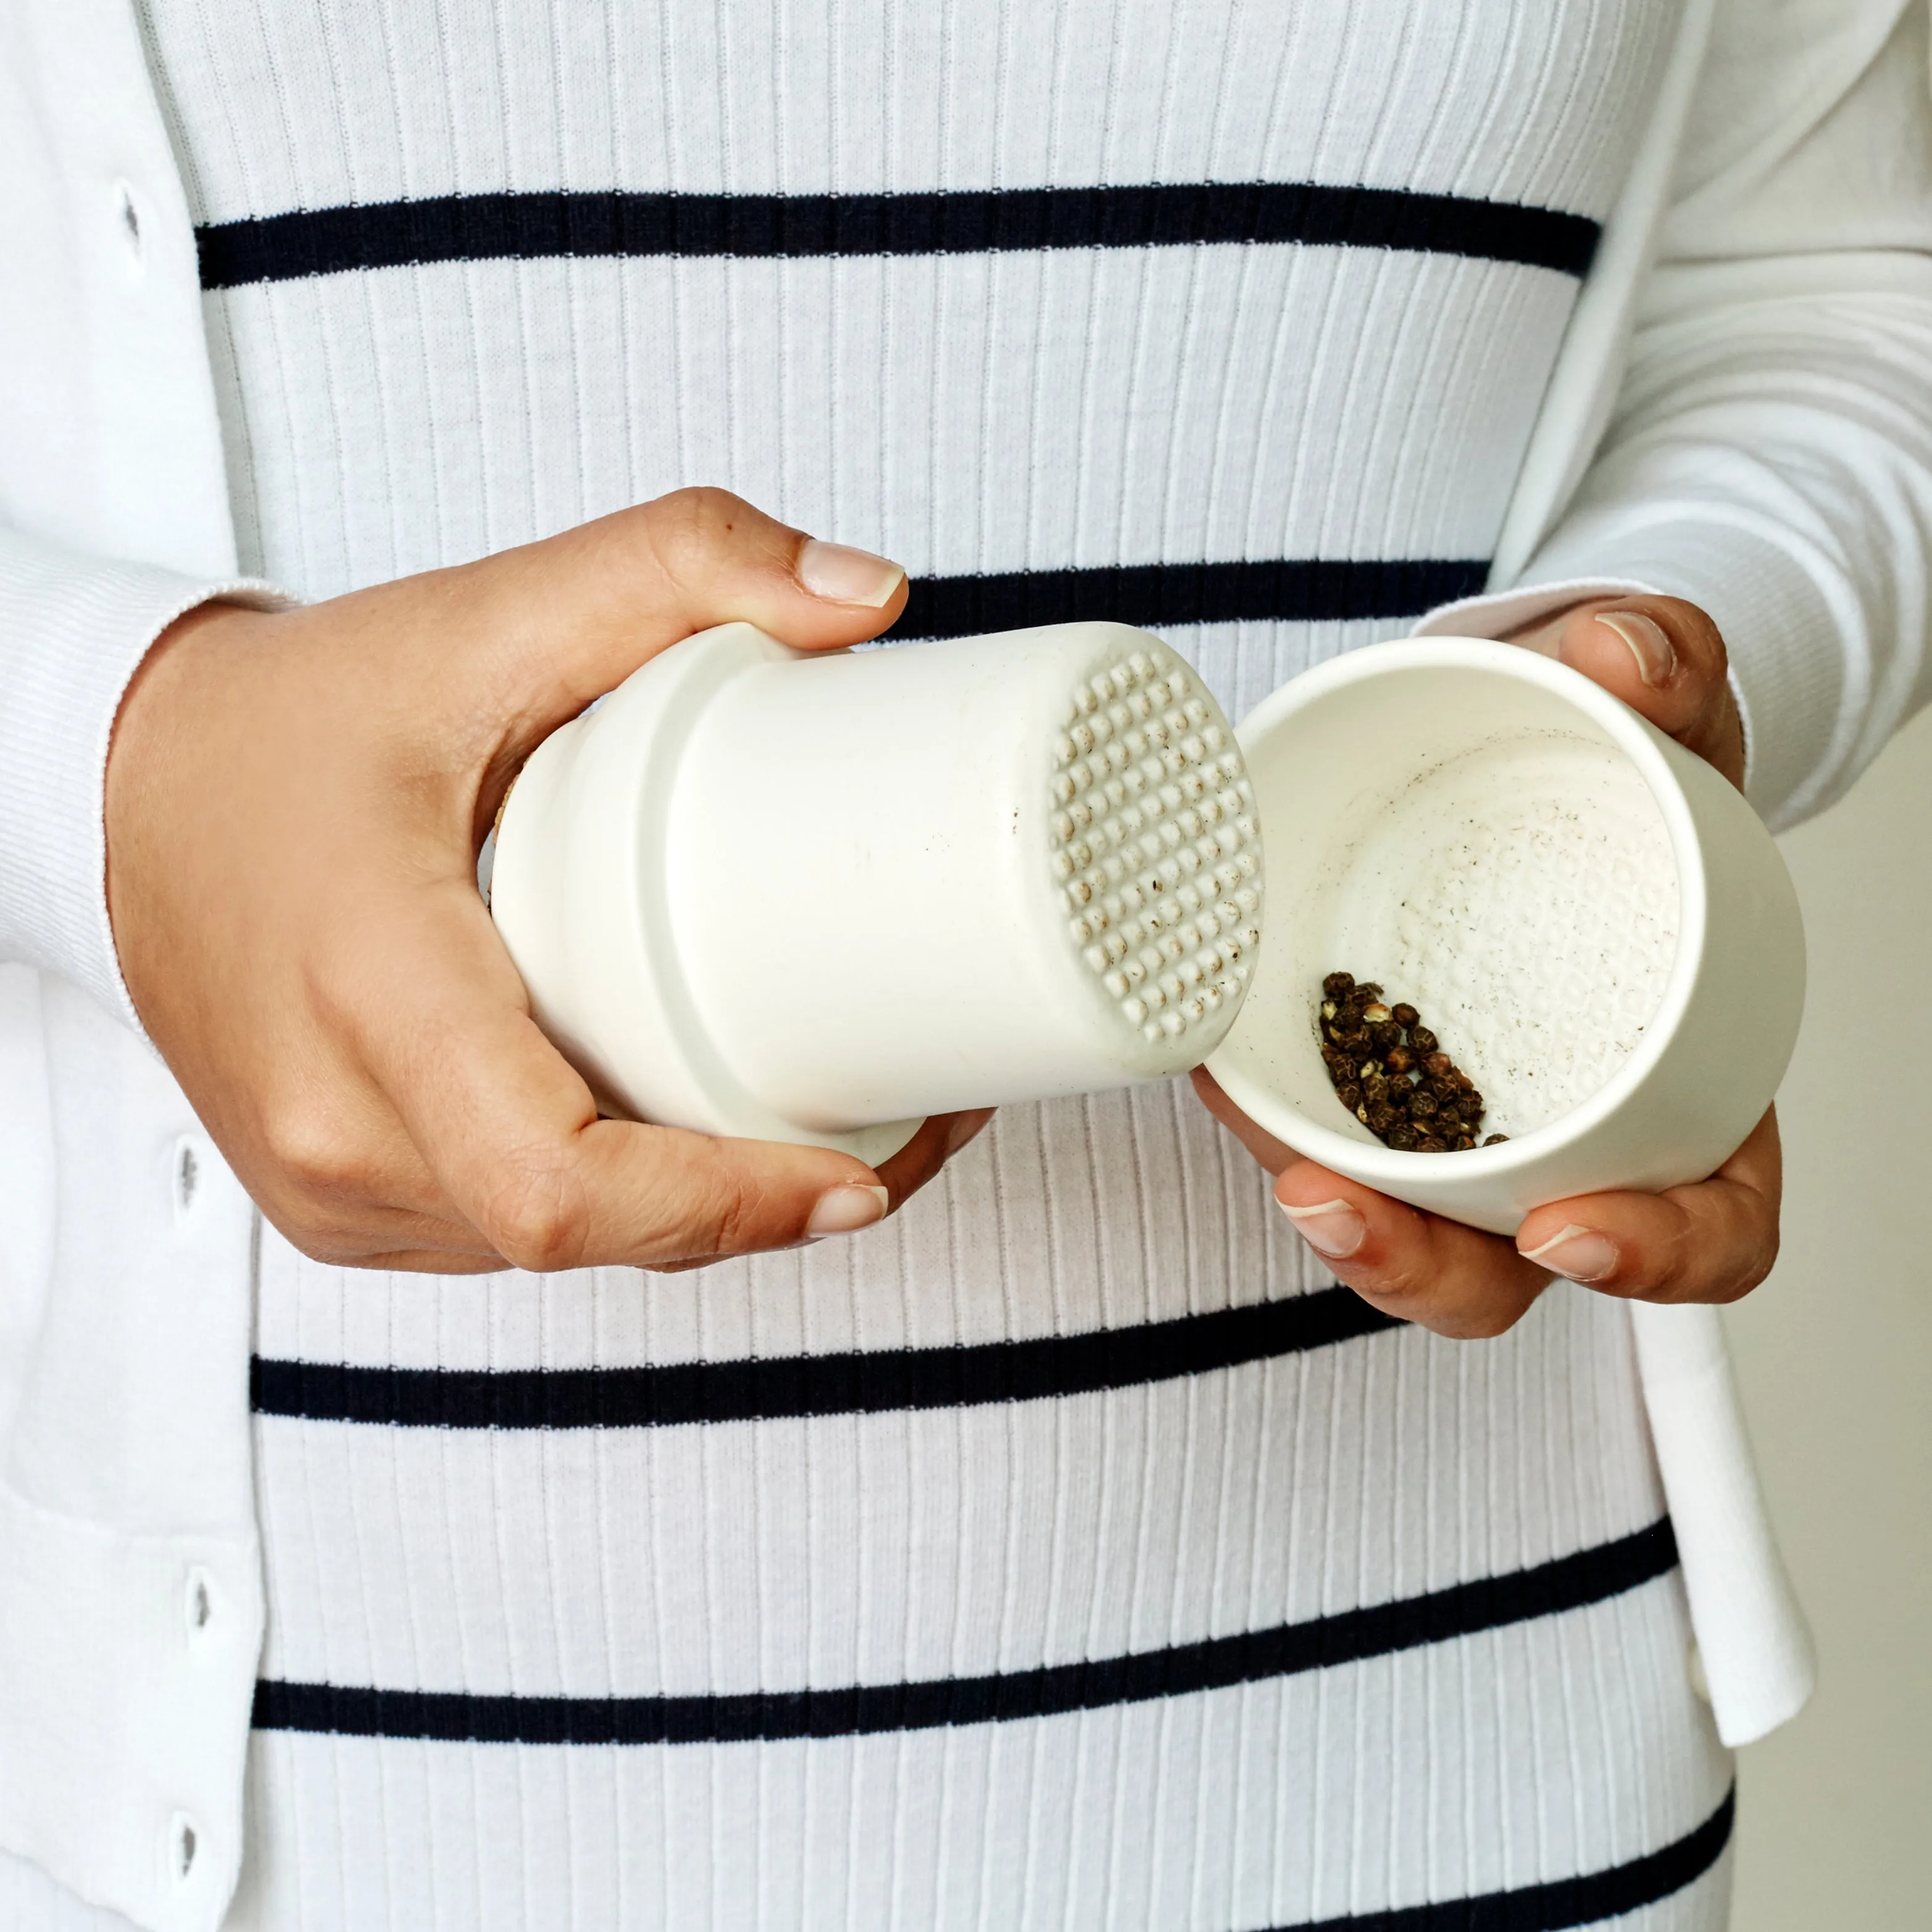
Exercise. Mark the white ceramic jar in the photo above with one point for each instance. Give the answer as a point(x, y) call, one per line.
point(817, 897)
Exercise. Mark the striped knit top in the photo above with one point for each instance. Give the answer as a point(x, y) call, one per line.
point(1067, 1551)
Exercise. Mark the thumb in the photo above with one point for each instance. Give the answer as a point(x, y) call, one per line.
point(1666, 659)
point(571, 617)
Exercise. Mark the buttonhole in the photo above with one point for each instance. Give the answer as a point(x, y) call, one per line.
point(130, 215)
point(200, 1602)
point(188, 1172)
point(185, 1843)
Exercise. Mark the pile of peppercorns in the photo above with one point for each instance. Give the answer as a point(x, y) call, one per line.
point(1390, 1071)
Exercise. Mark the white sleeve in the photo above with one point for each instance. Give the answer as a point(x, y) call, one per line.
point(73, 630)
point(1769, 457)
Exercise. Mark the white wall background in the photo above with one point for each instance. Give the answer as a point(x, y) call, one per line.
point(1834, 1352)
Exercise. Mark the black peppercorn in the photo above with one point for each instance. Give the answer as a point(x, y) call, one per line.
point(1390, 1071)
point(1496, 1140)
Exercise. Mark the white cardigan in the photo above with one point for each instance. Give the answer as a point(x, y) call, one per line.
point(1769, 455)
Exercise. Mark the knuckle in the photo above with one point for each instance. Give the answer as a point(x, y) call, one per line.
point(315, 1159)
point(1448, 1303)
point(1698, 641)
point(689, 530)
point(731, 1219)
point(1763, 1259)
point(533, 1215)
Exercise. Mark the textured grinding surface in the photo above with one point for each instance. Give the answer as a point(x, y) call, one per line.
point(1526, 897)
point(1156, 847)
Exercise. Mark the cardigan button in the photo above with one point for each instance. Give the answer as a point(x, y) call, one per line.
point(199, 1604)
point(129, 211)
point(190, 1163)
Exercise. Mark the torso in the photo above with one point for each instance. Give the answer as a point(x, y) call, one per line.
point(1011, 415)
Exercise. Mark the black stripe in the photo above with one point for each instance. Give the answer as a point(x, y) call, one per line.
point(1588, 1577)
point(1586, 1900)
point(764, 1388)
point(524, 227)
point(1291, 589)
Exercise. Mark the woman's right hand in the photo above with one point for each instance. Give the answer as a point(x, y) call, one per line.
point(294, 801)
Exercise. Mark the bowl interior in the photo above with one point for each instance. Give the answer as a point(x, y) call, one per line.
point(1484, 848)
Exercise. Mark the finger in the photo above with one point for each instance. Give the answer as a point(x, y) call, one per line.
point(906, 1171)
point(579, 612)
point(1713, 1240)
point(510, 1133)
point(431, 1260)
point(922, 1157)
point(1273, 1155)
point(1666, 659)
point(1439, 1274)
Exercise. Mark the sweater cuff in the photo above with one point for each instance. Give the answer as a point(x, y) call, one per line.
point(1778, 626)
point(73, 630)
point(1497, 614)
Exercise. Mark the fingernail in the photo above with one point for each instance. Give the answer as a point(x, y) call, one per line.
point(842, 575)
point(1656, 661)
point(841, 1210)
point(962, 1130)
point(1580, 1254)
point(1330, 1228)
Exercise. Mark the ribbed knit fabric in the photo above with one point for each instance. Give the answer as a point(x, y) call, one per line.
point(54, 710)
point(544, 1578)
point(828, 1588)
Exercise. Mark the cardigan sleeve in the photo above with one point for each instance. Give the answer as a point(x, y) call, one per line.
point(1769, 456)
point(72, 631)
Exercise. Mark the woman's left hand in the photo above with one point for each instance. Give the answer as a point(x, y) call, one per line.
point(1712, 1241)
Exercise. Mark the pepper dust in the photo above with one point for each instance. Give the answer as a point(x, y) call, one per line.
point(1390, 1071)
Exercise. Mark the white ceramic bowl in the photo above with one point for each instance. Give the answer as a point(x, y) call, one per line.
point(1597, 926)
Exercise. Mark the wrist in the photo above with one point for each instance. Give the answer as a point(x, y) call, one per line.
point(163, 748)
